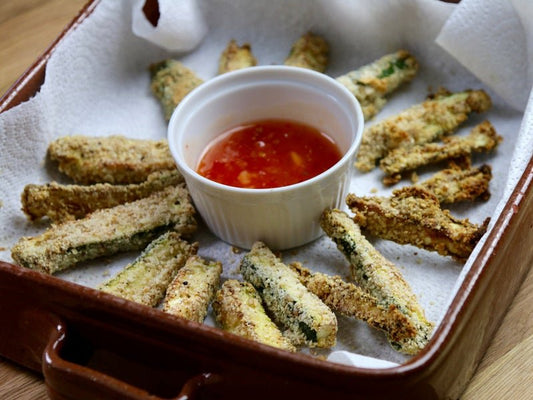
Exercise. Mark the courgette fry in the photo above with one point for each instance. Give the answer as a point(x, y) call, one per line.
point(452, 185)
point(235, 57)
point(146, 279)
point(192, 289)
point(238, 309)
point(310, 51)
point(425, 122)
point(62, 203)
point(303, 316)
point(350, 300)
point(414, 216)
point(371, 83)
point(125, 227)
point(112, 159)
point(378, 276)
point(170, 82)
point(482, 138)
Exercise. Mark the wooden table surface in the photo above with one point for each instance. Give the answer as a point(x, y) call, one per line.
point(27, 27)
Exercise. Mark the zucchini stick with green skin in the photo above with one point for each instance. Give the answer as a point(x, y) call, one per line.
point(309, 51)
point(125, 227)
point(236, 57)
point(414, 216)
point(146, 279)
point(378, 276)
point(67, 202)
point(112, 159)
point(171, 81)
point(192, 289)
point(422, 123)
point(352, 301)
point(482, 138)
point(304, 317)
point(371, 83)
point(238, 309)
point(452, 185)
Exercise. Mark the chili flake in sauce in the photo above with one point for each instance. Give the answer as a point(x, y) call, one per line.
point(268, 154)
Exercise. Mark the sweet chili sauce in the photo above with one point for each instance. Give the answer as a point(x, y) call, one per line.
point(268, 154)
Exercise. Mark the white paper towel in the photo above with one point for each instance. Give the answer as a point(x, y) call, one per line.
point(97, 83)
point(180, 26)
point(494, 39)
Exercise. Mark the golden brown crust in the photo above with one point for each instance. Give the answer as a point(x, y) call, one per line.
point(146, 279)
point(413, 215)
point(453, 185)
point(171, 82)
point(125, 227)
point(379, 277)
point(350, 300)
point(113, 159)
point(238, 309)
point(482, 138)
point(421, 123)
point(61, 203)
point(236, 57)
point(192, 289)
point(371, 83)
point(309, 51)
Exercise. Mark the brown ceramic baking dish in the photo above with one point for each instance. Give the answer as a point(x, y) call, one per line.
point(91, 345)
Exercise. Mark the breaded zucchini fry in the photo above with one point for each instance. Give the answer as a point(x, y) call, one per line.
point(453, 185)
point(112, 159)
point(171, 81)
point(482, 138)
point(371, 83)
point(126, 227)
point(352, 301)
point(146, 279)
point(238, 309)
point(305, 318)
point(67, 202)
point(413, 215)
point(193, 289)
point(379, 277)
point(422, 123)
point(236, 57)
point(309, 51)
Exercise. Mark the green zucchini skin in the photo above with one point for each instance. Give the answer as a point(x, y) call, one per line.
point(379, 277)
point(127, 227)
point(146, 279)
point(306, 320)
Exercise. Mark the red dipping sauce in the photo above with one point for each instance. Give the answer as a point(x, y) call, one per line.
point(268, 154)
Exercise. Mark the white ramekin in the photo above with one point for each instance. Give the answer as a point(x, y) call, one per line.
point(283, 217)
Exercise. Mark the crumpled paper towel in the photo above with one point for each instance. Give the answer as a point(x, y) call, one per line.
point(97, 83)
point(180, 26)
point(494, 39)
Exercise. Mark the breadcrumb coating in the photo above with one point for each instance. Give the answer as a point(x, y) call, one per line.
point(238, 309)
point(61, 203)
point(413, 216)
point(125, 227)
point(422, 123)
point(235, 57)
point(112, 159)
point(352, 301)
point(379, 277)
point(310, 51)
point(193, 289)
point(146, 279)
point(371, 83)
point(453, 185)
point(171, 81)
point(482, 138)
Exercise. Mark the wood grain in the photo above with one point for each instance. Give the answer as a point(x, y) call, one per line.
point(28, 27)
